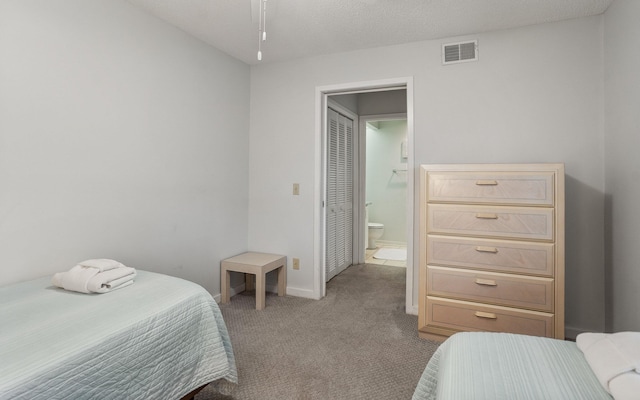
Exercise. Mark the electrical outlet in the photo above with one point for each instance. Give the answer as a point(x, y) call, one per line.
point(296, 189)
point(296, 263)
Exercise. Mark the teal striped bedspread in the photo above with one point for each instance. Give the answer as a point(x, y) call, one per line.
point(495, 366)
point(160, 338)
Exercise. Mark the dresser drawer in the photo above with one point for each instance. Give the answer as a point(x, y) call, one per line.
point(527, 188)
point(489, 254)
point(506, 222)
point(502, 289)
point(467, 316)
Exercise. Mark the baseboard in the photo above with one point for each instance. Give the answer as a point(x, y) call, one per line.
point(235, 290)
point(307, 294)
point(390, 243)
point(411, 310)
point(571, 332)
point(304, 293)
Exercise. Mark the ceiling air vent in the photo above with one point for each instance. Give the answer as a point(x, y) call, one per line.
point(453, 53)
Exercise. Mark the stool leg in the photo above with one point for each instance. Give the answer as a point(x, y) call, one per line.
point(260, 291)
point(282, 280)
point(248, 282)
point(224, 285)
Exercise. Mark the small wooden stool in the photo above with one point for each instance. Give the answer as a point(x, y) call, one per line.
point(257, 264)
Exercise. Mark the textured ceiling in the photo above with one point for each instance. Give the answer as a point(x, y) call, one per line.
point(300, 28)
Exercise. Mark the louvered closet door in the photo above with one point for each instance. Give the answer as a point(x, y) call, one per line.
point(339, 207)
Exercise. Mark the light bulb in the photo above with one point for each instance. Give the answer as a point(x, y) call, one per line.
point(259, 55)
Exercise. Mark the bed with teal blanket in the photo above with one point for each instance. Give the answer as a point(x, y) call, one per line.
point(495, 366)
point(160, 338)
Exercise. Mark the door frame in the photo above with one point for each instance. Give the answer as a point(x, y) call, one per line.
point(322, 94)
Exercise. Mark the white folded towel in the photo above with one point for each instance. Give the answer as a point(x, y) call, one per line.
point(615, 360)
point(95, 276)
point(103, 264)
point(111, 280)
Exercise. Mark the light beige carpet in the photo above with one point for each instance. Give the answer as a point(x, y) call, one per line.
point(356, 343)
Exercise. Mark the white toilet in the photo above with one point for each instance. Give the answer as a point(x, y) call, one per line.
point(375, 232)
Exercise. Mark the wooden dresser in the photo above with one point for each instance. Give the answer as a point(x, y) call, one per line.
point(491, 249)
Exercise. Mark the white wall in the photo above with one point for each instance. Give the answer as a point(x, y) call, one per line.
point(622, 144)
point(385, 189)
point(535, 95)
point(120, 137)
point(383, 102)
point(374, 103)
point(123, 137)
point(348, 101)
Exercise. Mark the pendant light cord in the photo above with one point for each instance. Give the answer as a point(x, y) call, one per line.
point(262, 27)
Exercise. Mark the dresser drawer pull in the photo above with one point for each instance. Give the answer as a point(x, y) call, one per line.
point(484, 182)
point(486, 282)
point(486, 216)
point(485, 249)
point(486, 315)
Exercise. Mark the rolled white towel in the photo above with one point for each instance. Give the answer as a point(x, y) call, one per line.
point(615, 360)
point(111, 280)
point(76, 279)
point(97, 276)
point(103, 264)
point(625, 386)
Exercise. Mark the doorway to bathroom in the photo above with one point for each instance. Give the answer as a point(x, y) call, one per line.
point(385, 182)
point(373, 100)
